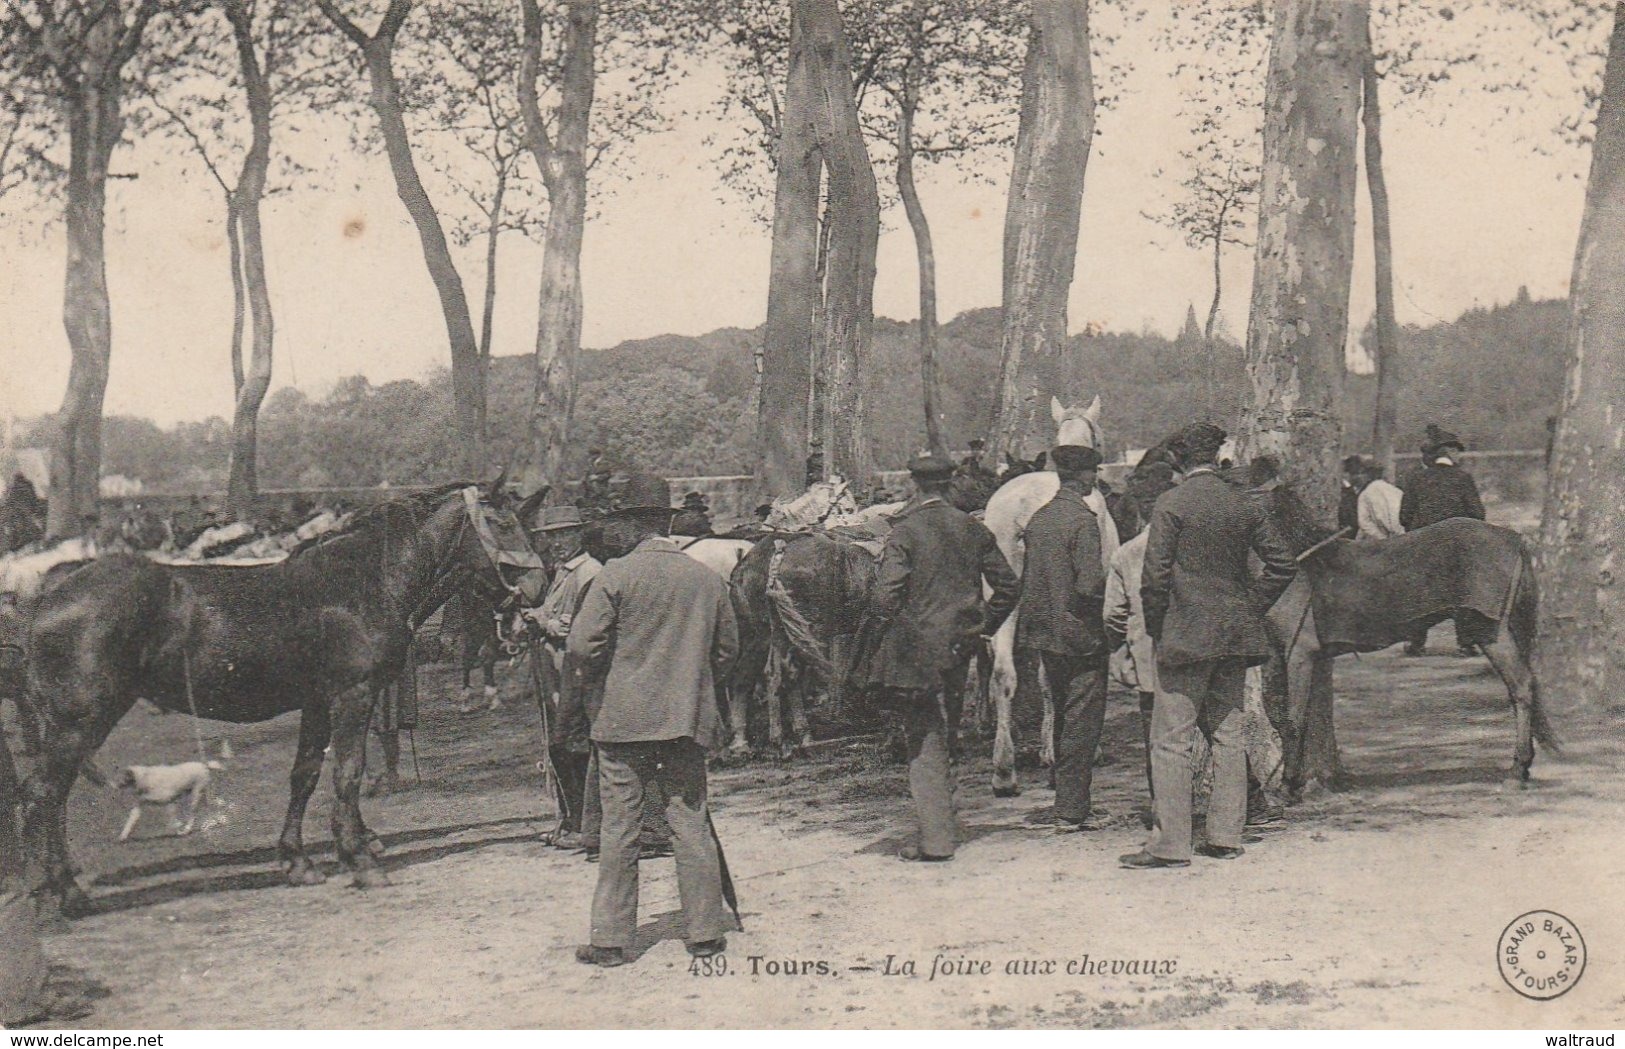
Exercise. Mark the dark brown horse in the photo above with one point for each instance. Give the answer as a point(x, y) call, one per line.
point(799, 599)
point(318, 633)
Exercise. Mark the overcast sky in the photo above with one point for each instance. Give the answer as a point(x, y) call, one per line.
point(1477, 213)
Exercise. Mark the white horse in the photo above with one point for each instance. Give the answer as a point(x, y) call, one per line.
point(719, 555)
point(1007, 515)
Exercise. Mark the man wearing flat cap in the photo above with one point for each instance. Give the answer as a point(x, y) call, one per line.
point(559, 533)
point(1063, 590)
point(1439, 491)
point(1204, 613)
point(928, 616)
point(661, 628)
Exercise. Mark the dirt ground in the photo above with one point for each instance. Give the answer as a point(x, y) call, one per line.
point(1379, 906)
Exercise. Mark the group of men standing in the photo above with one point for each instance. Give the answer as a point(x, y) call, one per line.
point(1183, 603)
point(633, 650)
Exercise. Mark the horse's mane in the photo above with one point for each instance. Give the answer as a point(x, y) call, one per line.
point(416, 506)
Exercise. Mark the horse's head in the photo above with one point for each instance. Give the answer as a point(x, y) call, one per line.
point(495, 548)
point(1079, 426)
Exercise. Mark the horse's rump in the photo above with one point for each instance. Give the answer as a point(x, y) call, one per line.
point(1369, 595)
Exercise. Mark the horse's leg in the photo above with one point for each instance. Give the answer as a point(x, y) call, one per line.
point(776, 660)
point(46, 827)
point(800, 731)
point(1300, 669)
point(1002, 685)
point(1046, 730)
point(352, 709)
point(314, 733)
point(1518, 677)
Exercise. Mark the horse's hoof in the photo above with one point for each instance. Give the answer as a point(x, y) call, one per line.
point(376, 846)
point(370, 878)
point(305, 873)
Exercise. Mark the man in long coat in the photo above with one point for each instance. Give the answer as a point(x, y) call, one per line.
point(663, 626)
point(1204, 613)
point(1063, 587)
point(928, 616)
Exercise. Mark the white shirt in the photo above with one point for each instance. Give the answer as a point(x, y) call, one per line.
point(1379, 510)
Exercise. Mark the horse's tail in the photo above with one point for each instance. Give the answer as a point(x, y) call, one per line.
point(798, 631)
point(1523, 624)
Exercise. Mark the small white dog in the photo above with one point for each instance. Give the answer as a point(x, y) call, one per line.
point(183, 788)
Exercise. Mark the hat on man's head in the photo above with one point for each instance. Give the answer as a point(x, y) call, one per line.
point(930, 468)
point(977, 444)
point(639, 493)
point(555, 517)
point(1439, 439)
point(1354, 463)
point(1201, 441)
point(694, 499)
point(1074, 458)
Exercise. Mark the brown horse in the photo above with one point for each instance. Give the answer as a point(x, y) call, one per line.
point(1363, 596)
point(318, 633)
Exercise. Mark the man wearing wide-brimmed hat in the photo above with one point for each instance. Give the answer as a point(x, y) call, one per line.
point(928, 616)
point(660, 626)
point(559, 536)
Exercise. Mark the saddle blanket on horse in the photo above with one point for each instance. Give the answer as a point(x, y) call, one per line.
point(1370, 594)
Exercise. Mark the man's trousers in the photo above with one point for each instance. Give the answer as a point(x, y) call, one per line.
point(930, 719)
point(1207, 695)
point(628, 772)
point(1077, 688)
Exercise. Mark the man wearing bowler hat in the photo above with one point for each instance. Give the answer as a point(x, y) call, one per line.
point(661, 627)
point(1063, 590)
point(560, 531)
point(927, 617)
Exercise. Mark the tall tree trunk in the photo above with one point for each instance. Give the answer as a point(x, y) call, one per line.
point(1386, 420)
point(243, 484)
point(1301, 273)
point(819, 418)
point(1210, 348)
point(854, 236)
point(488, 308)
point(378, 51)
point(1299, 319)
point(1218, 289)
point(1053, 138)
point(95, 125)
point(239, 294)
point(1582, 540)
point(793, 292)
point(930, 393)
point(563, 163)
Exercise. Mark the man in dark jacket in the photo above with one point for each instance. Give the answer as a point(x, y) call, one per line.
point(1442, 489)
point(663, 626)
point(928, 617)
point(1204, 613)
point(1439, 491)
point(1063, 590)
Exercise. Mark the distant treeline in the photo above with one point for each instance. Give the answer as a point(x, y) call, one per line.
point(681, 406)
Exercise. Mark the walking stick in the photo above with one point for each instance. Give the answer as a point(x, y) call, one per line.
point(412, 738)
point(728, 894)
